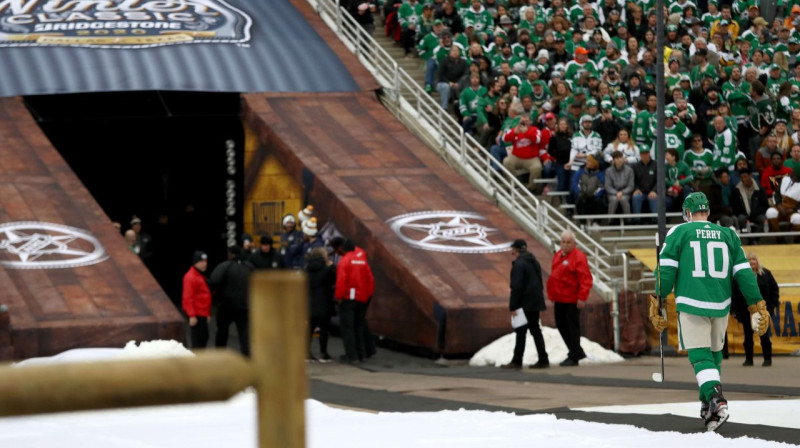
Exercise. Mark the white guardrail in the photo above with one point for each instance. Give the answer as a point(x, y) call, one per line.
point(461, 151)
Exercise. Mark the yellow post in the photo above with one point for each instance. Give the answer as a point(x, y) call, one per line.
point(116, 384)
point(279, 344)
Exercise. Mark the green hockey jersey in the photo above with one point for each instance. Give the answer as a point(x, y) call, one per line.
point(699, 260)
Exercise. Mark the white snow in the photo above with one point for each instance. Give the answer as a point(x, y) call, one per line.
point(232, 424)
point(145, 349)
point(501, 351)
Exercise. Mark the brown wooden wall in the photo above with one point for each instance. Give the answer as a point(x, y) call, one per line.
point(367, 168)
point(52, 310)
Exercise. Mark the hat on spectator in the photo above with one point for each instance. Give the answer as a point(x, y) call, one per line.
point(438, 22)
point(622, 24)
point(547, 106)
point(505, 20)
point(591, 102)
point(760, 21)
point(247, 237)
point(266, 240)
point(585, 117)
point(796, 8)
point(364, 6)
point(693, 21)
point(576, 104)
point(310, 226)
point(793, 40)
point(581, 50)
point(199, 256)
point(605, 105)
point(668, 113)
point(643, 148)
point(672, 27)
point(780, 120)
point(135, 220)
point(558, 38)
point(578, 91)
point(519, 244)
point(724, 22)
point(446, 33)
point(523, 31)
point(306, 213)
point(287, 219)
point(774, 67)
point(543, 54)
point(685, 77)
point(549, 116)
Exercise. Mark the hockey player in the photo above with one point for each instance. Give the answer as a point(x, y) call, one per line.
point(699, 259)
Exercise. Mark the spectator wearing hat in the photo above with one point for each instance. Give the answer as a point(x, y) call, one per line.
point(725, 25)
point(144, 242)
point(311, 241)
point(585, 143)
point(266, 257)
point(644, 182)
point(525, 140)
point(196, 299)
point(580, 63)
point(451, 70)
point(559, 53)
point(607, 126)
point(527, 297)
point(230, 280)
point(702, 68)
point(290, 239)
point(568, 287)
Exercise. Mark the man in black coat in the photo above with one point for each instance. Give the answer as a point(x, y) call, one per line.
point(527, 296)
point(230, 279)
point(266, 257)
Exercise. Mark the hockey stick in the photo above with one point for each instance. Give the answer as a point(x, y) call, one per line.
point(659, 377)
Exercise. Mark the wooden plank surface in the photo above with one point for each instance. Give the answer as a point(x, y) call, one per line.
point(367, 169)
point(53, 310)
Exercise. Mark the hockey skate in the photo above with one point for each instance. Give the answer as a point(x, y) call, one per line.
point(717, 412)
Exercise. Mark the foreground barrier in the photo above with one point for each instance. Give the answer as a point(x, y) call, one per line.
point(278, 312)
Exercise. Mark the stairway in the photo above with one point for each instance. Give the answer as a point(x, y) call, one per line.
point(414, 66)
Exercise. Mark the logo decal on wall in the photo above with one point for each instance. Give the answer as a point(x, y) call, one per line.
point(446, 231)
point(42, 245)
point(121, 23)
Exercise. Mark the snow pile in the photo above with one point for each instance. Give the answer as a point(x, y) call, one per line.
point(145, 349)
point(155, 349)
point(501, 351)
point(233, 423)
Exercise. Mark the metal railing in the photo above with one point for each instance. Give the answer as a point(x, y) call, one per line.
point(459, 149)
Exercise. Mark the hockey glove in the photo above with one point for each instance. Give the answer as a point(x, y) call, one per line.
point(658, 321)
point(759, 317)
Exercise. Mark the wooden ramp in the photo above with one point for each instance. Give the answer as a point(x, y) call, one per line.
point(66, 274)
point(361, 168)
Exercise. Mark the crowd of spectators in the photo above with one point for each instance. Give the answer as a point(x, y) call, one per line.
point(566, 89)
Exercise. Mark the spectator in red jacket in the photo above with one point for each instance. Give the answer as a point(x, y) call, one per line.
point(568, 287)
point(197, 299)
point(525, 152)
point(354, 288)
point(773, 174)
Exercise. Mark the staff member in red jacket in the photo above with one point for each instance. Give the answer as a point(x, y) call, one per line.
point(568, 287)
point(354, 287)
point(197, 299)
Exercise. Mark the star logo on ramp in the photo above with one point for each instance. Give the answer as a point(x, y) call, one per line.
point(42, 245)
point(446, 231)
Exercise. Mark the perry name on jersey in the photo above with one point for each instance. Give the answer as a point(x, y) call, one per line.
point(700, 259)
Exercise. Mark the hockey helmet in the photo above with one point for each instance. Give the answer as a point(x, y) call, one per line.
point(695, 202)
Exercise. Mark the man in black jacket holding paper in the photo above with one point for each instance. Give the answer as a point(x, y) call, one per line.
point(527, 297)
